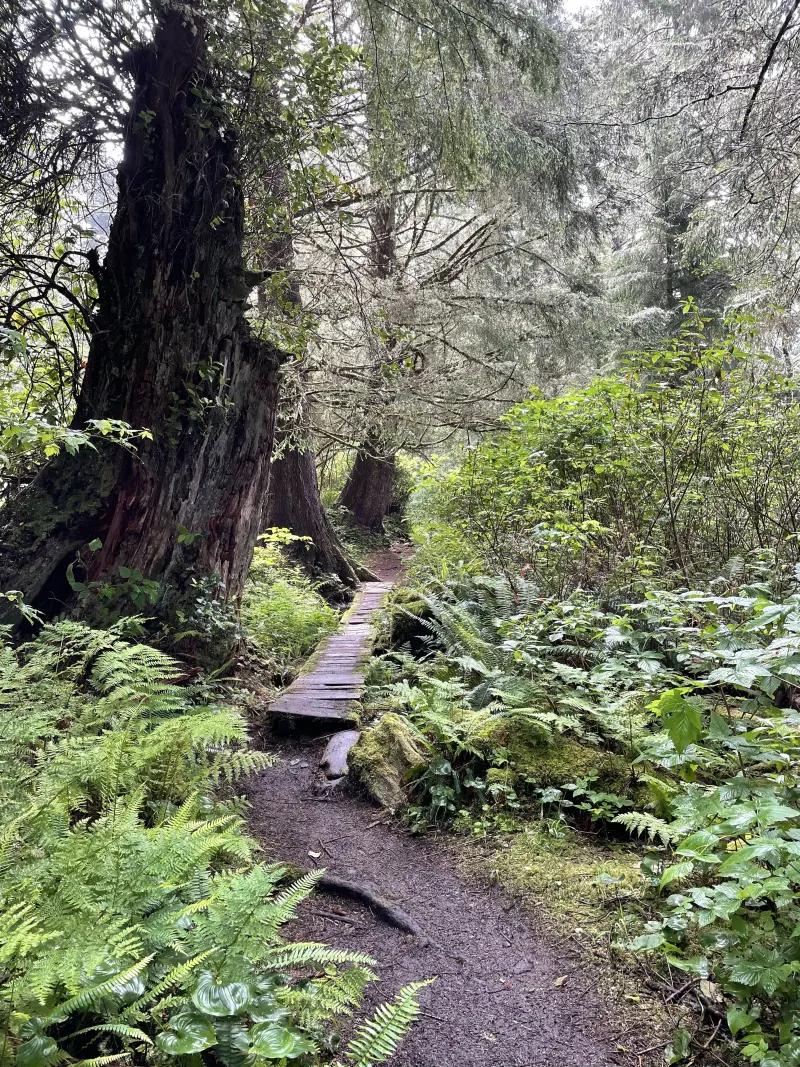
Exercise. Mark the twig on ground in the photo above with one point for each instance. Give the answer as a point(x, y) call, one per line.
point(651, 1048)
point(335, 917)
point(676, 994)
point(712, 1039)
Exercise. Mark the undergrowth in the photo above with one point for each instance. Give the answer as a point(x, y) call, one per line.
point(672, 721)
point(630, 672)
point(282, 611)
point(136, 923)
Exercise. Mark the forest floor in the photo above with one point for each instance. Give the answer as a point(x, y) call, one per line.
point(509, 992)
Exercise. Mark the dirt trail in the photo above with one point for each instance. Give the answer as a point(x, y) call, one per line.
point(494, 1003)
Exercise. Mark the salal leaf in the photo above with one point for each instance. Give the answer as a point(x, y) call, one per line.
point(220, 999)
point(188, 1033)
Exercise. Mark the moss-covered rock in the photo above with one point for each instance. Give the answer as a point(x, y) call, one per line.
point(383, 758)
point(552, 762)
point(402, 621)
point(501, 776)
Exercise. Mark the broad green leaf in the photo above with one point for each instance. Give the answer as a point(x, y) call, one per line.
point(644, 942)
point(187, 1033)
point(278, 1042)
point(264, 1009)
point(700, 846)
point(738, 1019)
point(680, 1048)
point(681, 717)
point(772, 813)
point(214, 998)
point(676, 872)
point(40, 1051)
point(765, 969)
point(766, 850)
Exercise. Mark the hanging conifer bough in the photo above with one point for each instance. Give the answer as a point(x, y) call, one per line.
point(171, 353)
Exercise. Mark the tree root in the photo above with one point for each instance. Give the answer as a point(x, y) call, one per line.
point(364, 574)
point(391, 915)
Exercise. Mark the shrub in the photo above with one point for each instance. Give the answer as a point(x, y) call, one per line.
point(688, 457)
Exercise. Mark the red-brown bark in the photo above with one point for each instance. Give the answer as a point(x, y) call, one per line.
point(171, 352)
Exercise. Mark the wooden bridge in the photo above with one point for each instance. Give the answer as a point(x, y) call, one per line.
point(332, 682)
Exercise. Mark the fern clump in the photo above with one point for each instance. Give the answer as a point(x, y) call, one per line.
point(134, 920)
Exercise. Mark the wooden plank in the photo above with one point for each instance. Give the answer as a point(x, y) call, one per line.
point(329, 679)
point(324, 693)
point(335, 684)
point(334, 758)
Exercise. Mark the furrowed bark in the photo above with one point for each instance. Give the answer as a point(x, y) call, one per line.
point(369, 488)
point(294, 503)
point(171, 352)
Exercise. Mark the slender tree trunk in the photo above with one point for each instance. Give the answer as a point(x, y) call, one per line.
point(171, 352)
point(294, 503)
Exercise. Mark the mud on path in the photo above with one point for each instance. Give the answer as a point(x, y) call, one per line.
point(496, 1001)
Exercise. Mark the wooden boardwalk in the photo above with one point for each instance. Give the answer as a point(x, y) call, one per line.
point(332, 683)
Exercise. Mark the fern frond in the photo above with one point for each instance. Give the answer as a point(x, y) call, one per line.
point(90, 997)
point(378, 1038)
point(305, 953)
point(177, 977)
point(640, 822)
point(101, 1061)
point(120, 1029)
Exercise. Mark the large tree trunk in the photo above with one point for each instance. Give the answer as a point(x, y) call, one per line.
point(171, 352)
point(294, 503)
point(369, 488)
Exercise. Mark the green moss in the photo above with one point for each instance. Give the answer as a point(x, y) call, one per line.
point(572, 876)
point(501, 776)
point(550, 762)
point(383, 758)
point(399, 622)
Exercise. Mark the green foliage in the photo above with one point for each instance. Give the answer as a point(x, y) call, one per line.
point(517, 693)
point(696, 691)
point(281, 610)
point(662, 473)
point(134, 920)
point(378, 1038)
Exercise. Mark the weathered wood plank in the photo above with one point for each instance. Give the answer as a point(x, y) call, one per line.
point(332, 689)
point(334, 758)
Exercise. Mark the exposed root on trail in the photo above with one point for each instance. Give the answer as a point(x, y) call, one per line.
point(395, 917)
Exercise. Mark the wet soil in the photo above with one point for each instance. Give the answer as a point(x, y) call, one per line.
point(507, 993)
point(498, 1000)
